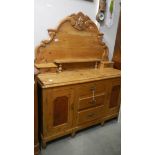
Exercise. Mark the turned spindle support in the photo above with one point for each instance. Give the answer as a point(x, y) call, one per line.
point(96, 65)
point(60, 68)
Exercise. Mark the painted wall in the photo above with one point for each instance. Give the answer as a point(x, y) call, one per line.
point(110, 33)
point(48, 13)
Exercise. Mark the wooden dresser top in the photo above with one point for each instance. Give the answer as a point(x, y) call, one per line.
point(79, 76)
point(76, 50)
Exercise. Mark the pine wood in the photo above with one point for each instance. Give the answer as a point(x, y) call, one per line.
point(114, 87)
point(46, 67)
point(76, 38)
point(84, 89)
point(88, 102)
point(76, 60)
point(90, 114)
point(76, 76)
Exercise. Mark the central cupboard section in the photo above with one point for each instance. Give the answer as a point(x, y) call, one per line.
point(67, 107)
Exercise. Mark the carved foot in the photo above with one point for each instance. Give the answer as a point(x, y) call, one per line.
point(73, 134)
point(43, 144)
point(102, 123)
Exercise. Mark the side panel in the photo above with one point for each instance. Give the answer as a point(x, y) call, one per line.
point(114, 89)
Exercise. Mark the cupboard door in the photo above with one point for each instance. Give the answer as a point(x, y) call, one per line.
point(59, 110)
point(114, 96)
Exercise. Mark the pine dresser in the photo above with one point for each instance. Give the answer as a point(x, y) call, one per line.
point(77, 85)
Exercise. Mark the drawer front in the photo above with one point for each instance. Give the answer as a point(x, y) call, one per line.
point(91, 114)
point(88, 89)
point(88, 102)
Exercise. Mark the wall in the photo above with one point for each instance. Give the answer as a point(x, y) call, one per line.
point(48, 13)
point(110, 33)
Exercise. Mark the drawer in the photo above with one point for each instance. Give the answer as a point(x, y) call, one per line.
point(87, 89)
point(90, 114)
point(88, 102)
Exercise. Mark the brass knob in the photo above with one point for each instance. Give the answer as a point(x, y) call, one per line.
point(91, 115)
point(93, 101)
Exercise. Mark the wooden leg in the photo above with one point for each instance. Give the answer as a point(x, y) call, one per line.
point(43, 144)
point(73, 134)
point(102, 123)
point(36, 149)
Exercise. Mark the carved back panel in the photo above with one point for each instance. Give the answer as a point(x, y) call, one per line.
point(76, 37)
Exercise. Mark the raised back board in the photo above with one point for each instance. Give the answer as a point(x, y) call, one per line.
point(77, 37)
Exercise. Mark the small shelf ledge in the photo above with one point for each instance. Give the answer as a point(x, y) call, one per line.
point(45, 65)
point(62, 61)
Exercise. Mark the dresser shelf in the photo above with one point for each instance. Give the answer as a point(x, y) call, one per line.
point(45, 65)
point(62, 61)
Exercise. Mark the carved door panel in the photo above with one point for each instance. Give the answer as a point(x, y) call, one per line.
point(114, 96)
point(59, 113)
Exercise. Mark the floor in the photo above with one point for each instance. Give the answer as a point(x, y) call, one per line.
point(96, 140)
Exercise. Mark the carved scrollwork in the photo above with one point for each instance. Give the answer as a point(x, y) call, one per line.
point(80, 21)
point(43, 43)
point(51, 34)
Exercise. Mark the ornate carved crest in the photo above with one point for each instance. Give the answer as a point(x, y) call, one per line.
point(80, 21)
